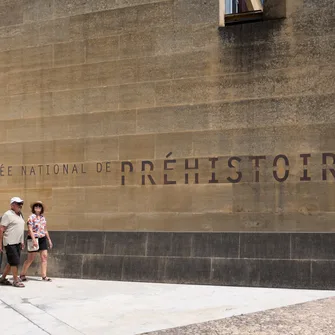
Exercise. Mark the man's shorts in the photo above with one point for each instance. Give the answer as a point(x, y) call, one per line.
point(13, 252)
point(42, 244)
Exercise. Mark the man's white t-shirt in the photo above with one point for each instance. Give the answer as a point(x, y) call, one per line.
point(14, 224)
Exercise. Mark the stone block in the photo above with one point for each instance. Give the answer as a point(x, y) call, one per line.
point(71, 53)
point(70, 7)
point(84, 243)
point(9, 38)
point(96, 148)
point(102, 267)
point(265, 245)
point(37, 10)
point(235, 272)
point(100, 199)
point(313, 246)
point(41, 33)
point(119, 123)
point(155, 199)
point(187, 270)
point(212, 143)
point(13, 152)
point(174, 38)
point(264, 197)
point(4, 84)
point(85, 222)
point(141, 44)
point(117, 72)
point(191, 12)
point(119, 222)
point(169, 244)
point(190, 91)
point(11, 14)
point(180, 144)
point(58, 239)
point(174, 222)
point(322, 273)
point(136, 147)
point(73, 265)
point(103, 49)
point(140, 95)
point(150, 269)
point(192, 64)
point(155, 68)
point(125, 243)
point(310, 19)
point(63, 200)
point(98, 24)
point(68, 266)
point(209, 244)
point(285, 273)
point(314, 198)
point(154, 14)
point(274, 9)
point(172, 119)
point(85, 101)
point(19, 131)
point(28, 58)
point(69, 151)
point(211, 198)
point(32, 105)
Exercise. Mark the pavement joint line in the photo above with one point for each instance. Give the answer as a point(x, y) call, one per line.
point(55, 317)
point(18, 312)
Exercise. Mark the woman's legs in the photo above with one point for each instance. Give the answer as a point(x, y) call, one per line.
point(44, 262)
point(27, 263)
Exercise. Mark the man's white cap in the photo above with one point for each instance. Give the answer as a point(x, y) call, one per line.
point(16, 199)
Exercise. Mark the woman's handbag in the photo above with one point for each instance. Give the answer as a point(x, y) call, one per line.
point(30, 245)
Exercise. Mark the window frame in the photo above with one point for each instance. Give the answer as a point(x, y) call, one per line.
point(254, 14)
point(272, 10)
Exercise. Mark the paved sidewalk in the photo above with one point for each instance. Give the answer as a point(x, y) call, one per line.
point(68, 306)
point(310, 318)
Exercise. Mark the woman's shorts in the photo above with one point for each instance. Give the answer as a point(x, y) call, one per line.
point(42, 244)
point(13, 252)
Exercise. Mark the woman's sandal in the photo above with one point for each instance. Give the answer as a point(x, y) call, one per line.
point(23, 278)
point(46, 279)
point(18, 284)
point(5, 282)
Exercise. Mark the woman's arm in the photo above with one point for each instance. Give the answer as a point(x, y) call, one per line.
point(32, 235)
point(48, 237)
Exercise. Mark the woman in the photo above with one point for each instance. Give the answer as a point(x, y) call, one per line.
point(38, 233)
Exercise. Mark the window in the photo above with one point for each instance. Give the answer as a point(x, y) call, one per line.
point(238, 11)
point(243, 6)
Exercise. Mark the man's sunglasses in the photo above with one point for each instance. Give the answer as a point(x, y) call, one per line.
point(19, 203)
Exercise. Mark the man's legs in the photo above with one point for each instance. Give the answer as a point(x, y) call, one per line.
point(5, 271)
point(3, 280)
point(13, 257)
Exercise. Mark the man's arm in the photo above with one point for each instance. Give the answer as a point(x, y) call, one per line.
point(2, 229)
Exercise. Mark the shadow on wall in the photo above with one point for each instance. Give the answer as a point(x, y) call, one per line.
point(251, 46)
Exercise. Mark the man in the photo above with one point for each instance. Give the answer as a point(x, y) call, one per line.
point(12, 238)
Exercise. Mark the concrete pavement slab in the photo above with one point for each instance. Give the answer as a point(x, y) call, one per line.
point(71, 306)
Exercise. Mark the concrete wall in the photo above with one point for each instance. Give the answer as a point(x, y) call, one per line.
point(299, 260)
point(106, 105)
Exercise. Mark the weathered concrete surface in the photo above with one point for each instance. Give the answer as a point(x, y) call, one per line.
point(310, 318)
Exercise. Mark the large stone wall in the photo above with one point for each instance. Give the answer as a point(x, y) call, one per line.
point(106, 106)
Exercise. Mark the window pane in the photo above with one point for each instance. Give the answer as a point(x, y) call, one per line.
point(238, 6)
